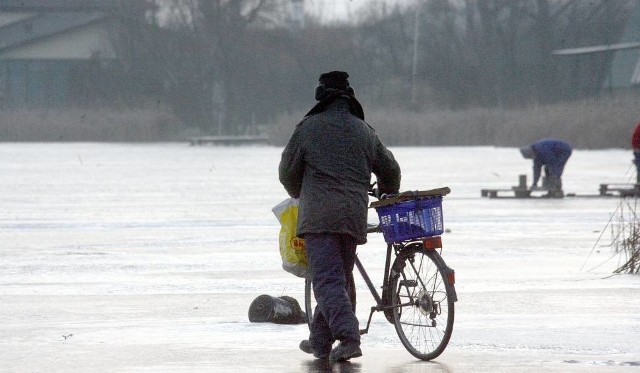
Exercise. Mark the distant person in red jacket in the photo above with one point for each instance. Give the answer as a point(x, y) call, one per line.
point(635, 144)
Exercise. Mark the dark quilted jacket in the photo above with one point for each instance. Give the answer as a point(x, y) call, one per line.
point(328, 164)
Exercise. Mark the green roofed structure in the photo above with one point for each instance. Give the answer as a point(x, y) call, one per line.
point(625, 69)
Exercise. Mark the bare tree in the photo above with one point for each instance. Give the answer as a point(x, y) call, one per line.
point(224, 65)
point(197, 50)
point(220, 26)
point(499, 52)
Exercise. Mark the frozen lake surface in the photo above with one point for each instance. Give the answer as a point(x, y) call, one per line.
point(145, 257)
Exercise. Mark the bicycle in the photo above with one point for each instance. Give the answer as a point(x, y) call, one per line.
point(418, 288)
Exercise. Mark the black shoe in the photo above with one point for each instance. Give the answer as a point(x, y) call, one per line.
point(305, 346)
point(345, 351)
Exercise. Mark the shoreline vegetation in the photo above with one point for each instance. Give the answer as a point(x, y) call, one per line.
point(607, 122)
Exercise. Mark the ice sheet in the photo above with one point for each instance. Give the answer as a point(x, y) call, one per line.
point(145, 257)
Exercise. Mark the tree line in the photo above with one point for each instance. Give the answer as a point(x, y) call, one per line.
point(229, 67)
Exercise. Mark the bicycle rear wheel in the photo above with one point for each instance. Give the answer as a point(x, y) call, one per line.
point(423, 302)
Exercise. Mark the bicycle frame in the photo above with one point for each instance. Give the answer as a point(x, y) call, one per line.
point(385, 281)
point(381, 304)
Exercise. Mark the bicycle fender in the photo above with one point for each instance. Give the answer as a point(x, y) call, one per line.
point(447, 273)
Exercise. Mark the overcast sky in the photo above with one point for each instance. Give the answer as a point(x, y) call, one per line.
point(333, 9)
point(344, 9)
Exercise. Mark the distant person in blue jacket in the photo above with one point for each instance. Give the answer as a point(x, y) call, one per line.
point(553, 155)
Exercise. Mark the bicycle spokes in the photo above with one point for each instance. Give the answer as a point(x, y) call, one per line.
point(423, 313)
point(416, 289)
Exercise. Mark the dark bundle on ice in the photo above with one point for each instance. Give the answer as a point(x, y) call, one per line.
point(278, 310)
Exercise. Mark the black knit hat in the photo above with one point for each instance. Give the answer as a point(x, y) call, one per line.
point(334, 85)
point(331, 82)
point(335, 80)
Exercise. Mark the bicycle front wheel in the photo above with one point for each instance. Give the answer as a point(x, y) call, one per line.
point(423, 302)
point(309, 301)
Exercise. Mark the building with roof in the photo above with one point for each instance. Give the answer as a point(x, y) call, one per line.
point(625, 68)
point(47, 45)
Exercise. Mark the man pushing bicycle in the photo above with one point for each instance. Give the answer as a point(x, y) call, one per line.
point(327, 164)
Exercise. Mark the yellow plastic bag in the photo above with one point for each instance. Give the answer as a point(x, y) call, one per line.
point(292, 251)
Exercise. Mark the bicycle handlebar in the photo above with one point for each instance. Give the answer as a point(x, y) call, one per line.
point(375, 192)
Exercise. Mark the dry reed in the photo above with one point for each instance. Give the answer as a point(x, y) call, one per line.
point(590, 124)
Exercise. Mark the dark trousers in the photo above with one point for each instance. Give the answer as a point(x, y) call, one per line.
point(554, 171)
point(331, 260)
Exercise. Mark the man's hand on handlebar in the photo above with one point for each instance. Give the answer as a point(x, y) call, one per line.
point(376, 192)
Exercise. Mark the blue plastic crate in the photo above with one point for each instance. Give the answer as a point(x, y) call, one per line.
point(411, 220)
